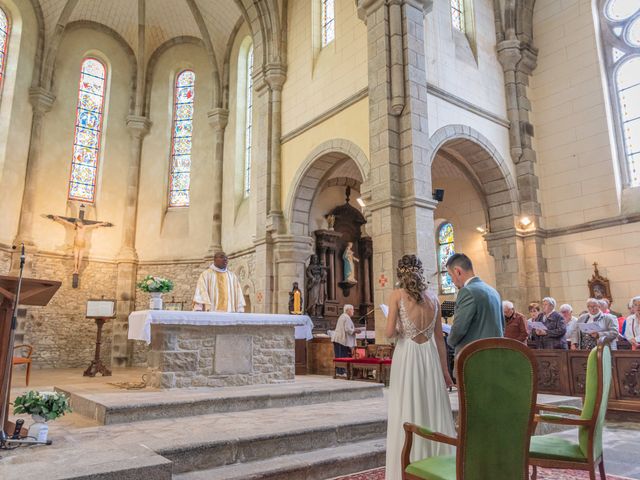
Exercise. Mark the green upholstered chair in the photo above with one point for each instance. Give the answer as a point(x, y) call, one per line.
point(497, 387)
point(554, 452)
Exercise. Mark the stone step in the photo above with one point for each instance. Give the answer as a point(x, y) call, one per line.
point(318, 464)
point(111, 407)
point(270, 444)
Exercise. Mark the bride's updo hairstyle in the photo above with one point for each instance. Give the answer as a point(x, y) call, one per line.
point(411, 277)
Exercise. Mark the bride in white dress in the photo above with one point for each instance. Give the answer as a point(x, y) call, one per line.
point(419, 376)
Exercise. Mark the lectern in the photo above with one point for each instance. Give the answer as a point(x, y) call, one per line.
point(33, 292)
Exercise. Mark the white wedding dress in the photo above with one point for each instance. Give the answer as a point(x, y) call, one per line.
point(417, 394)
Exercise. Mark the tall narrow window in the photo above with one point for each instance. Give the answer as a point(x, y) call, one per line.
point(249, 123)
point(457, 14)
point(89, 119)
point(328, 22)
point(182, 131)
point(445, 250)
point(620, 32)
point(4, 42)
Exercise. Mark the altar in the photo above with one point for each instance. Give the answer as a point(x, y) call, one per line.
point(216, 349)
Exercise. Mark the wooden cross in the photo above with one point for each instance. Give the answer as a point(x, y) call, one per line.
point(81, 227)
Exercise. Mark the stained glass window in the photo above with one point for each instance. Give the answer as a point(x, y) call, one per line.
point(622, 59)
point(457, 14)
point(445, 250)
point(88, 130)
point(328, 22)
point(180, 176)
point(4, 41)
point(249, 124)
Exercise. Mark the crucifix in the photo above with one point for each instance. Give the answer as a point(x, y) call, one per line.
point(81, 226)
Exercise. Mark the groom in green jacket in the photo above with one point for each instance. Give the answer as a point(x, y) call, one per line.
point(478, 313)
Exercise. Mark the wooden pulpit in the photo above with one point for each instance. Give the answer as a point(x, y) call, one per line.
point(33, 292)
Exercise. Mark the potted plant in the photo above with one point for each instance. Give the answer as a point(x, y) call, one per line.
point(42, 406)
point(155, 286)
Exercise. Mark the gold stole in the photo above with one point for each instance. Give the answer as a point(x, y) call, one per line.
point(222, 288)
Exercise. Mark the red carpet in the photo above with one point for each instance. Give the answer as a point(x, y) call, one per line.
point(543, 474)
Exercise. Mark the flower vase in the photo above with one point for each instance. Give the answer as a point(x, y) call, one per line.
point(39, 430)
point(155, 302)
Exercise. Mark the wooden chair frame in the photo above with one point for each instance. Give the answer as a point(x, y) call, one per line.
point(459, 442)
point(590, 424)
point(26, 360)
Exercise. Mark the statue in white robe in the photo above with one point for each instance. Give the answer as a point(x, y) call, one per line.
point(218, 289)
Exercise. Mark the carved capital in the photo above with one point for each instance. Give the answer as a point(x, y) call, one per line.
point(138, 126)
point(41, 100)
point(368, 7)
point(515, 55)
point(218, 118)
point(275, 75)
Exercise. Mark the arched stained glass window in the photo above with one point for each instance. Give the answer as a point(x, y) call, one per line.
point(620, 32)
point(4, 43)
point(457, 14)
point(88, 131)
point(248, 123)
point(328, 22)
point(445, 250)
point(181, 141)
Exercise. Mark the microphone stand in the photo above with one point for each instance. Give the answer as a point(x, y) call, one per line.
point(9, 360)
point(365, 323)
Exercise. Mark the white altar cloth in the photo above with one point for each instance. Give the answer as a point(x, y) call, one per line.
point(140, 321)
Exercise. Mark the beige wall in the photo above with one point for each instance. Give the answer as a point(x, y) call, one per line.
point(316, 81)
point(15, 114)
point(57, 142)
point(178, 233)
point(576, 168)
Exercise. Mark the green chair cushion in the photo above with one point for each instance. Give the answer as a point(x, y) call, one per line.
point(434, 468)
point(556, 448)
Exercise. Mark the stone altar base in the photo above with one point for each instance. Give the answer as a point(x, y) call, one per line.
point(220, 356)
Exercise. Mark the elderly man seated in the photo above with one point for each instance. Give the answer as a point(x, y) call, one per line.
point(515, 323)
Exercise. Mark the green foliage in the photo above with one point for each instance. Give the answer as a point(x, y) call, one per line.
point(155, 284)
point(49, 405)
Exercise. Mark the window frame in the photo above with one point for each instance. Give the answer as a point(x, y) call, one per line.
point(461, 9)
point(439, 268)
point(100, 130)
point(324, 23)
point(247, 163)
point(5, 52)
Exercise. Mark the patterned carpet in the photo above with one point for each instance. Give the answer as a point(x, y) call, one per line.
point(543, 474)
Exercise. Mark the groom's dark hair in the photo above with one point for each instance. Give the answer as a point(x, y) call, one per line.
point(460, 260)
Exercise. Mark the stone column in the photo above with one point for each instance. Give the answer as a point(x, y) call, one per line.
point(41, 102)
point(127, 259)
point(290, 254)
point(518, 59)
point(400, 181)
point(218, 119)
point(275, 76)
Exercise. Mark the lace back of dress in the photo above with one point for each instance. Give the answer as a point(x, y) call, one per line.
point(408, 329)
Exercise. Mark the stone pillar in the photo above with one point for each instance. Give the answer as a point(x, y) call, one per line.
point(275, 76)
point(218, 119)
point(518, 59)
point(400, 181)
point(41, 103)
point(290, 254)
point(127, 259)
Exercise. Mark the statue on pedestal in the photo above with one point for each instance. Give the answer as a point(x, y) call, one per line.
point(295, 300)
point(349, 265)
point(316, 284)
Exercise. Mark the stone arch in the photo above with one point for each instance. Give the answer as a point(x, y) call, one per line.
point(489, 171)
point(313, 170)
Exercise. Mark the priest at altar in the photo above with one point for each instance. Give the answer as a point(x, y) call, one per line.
point(218, 289)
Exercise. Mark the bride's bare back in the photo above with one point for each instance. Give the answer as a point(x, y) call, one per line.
point(416, 320)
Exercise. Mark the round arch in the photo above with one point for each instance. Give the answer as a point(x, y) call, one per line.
point(309, 175)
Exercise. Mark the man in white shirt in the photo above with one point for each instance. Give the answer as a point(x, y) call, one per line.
point(632, 324)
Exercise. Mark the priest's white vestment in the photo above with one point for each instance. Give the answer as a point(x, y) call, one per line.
point(218, 290)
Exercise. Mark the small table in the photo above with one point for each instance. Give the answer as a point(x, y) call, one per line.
point(96, 365)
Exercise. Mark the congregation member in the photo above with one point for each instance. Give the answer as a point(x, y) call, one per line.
point(552, 335)
point(218, 289)
point(419, 373)
point(515, 324)
point(608, 327)
point(478, 312)
point(570, 321)
point(534, 310)
point(344, 337)
point(632, 324)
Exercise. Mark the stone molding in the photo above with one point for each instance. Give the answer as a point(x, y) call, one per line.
point(138, 126)
point(41, 99)
point(218, 118)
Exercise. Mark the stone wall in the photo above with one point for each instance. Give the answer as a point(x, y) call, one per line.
point(61, 335)
point(5, 262)
point(216, 356)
